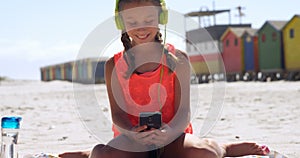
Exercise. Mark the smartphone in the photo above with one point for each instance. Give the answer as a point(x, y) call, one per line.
point(151, 119)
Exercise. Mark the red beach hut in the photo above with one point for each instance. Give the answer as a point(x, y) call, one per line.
point(232, 54)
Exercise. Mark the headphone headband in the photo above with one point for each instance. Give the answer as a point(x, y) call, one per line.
point(163, 16)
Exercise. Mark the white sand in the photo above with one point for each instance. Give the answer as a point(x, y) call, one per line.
point(52, 112)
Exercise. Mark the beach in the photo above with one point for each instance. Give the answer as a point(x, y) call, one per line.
point(60, 116)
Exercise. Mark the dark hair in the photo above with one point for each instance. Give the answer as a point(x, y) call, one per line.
point(128, 56)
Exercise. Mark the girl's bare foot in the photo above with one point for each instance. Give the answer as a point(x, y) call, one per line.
point(242, 149)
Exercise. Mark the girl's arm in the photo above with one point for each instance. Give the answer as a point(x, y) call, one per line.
point(182, 95)
point(181, 119)
point(119, 116)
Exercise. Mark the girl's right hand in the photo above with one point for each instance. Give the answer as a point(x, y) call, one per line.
point(140, 136)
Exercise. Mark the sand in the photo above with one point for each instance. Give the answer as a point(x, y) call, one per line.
point(61, 116)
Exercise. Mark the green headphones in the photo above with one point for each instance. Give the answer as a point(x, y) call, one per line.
point(163, 16)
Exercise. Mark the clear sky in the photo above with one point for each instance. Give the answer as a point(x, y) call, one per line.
point(37, 33)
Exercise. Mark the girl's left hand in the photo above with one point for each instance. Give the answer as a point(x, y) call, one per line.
point(161, 137)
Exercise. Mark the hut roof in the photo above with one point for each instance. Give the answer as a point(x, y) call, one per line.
point(210, 33)
point(295, 16)
point(278, 25)
point(238, 31)
point(251, 31)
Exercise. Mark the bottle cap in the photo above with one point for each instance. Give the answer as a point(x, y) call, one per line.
point(11, 122)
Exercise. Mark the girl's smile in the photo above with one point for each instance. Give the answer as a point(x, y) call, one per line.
point(143, 37)
point(141, 21)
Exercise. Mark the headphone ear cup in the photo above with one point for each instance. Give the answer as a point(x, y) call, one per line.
point(119, 22)
point(163, 17)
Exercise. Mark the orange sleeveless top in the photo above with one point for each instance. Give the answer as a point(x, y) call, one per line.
point(145, 93)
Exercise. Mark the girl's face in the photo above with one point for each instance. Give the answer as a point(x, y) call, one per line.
point(141, 21)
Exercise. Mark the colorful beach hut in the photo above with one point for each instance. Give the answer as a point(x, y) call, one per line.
point(291, 40)
point(68, 67)
point(271, 58)
point(52, 73)
point(98, 70)
point(204, 49)
point(250, 44)
point(233, 52)
point(47, 73)
point(43, 74)
point(89, 70)
point(58, 72)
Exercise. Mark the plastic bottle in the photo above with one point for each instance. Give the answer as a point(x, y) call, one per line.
point(10, 131)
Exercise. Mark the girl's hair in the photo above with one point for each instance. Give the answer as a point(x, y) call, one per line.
point(122, 2)
point(128, 56)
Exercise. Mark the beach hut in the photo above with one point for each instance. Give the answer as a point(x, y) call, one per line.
point(271, 59)
point(62, 71)
point(47, 70)
point(98, 71)
point(57, 69)
point(43, 74)
point(88, 71)
point(206, 65)
point(68, 70)
point(78, 72)
point(85, 70)
point(250, 43)
point(233, 53)
point(52, 73)
point(82, 71)
point(204, 49)
point(74, 71)
point(291, 40)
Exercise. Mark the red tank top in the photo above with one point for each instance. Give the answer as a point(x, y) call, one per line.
point(142, 92)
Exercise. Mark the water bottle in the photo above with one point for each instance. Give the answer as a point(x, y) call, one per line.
point(10, 130)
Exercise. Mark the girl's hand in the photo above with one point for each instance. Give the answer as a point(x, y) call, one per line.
point(161, 137)
point(140, 136)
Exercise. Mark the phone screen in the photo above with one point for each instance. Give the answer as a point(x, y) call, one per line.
point(151, 119)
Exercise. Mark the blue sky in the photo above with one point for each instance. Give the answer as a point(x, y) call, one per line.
point(36, 33)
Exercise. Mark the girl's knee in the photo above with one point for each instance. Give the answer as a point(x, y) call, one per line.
point(207, 148)
point(97, 151)
point(98, 147)
point(106, 151)
point(213, 145)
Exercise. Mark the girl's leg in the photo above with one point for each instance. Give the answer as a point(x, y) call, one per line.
point(203, 148)
point(120, 147)
point(110, 152)
point(78, 154)
point(189, 146)
point(82, 154)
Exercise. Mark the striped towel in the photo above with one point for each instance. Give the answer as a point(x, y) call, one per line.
point(272, 154)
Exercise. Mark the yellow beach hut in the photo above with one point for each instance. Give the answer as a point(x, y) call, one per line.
point(291, 40)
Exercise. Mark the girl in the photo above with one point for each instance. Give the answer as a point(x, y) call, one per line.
point(151, 77)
